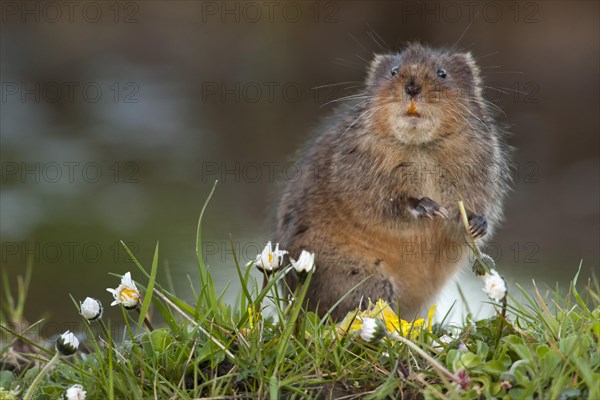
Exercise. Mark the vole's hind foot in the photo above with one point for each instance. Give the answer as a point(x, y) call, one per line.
point(478, 225)
point(425, 207)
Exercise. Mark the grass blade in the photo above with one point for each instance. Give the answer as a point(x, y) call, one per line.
point(150, 288)
point(201, 266)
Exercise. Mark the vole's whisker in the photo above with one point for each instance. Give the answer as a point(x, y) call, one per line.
point(347, 98)
point(493, 106)
point(364, 114)
point(334, 84)
point(473, 115)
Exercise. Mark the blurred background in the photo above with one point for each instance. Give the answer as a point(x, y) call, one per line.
point(117, 118)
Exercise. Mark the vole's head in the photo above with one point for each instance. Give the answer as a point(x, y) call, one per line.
point(423, 94)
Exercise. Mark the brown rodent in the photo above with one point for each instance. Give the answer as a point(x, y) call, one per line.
point(377, 196)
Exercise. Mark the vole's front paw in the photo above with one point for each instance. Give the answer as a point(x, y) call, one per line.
point(478, 225)
point(425, 207)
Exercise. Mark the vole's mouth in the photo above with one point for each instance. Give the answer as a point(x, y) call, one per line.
point(412, 109)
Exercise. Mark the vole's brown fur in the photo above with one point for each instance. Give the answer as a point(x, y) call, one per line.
point(377, 196)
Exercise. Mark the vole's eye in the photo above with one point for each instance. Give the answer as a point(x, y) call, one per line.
point(395, 70)
point(441, 73)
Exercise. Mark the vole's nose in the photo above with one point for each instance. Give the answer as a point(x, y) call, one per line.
point(412, 89)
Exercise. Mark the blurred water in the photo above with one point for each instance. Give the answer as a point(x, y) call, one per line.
point(152, 112)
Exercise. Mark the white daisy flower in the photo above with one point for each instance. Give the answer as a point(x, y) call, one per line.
point(372, 330)
point(441, 343)
point(75, 392)
point(67, 344)
point(445, 339)
point(91, 309)
point(305, 263)
point(494, 286)
point(126, 294)
point(269, 260)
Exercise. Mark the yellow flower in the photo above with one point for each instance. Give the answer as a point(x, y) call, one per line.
point(352, 322)
point(250, 317)
point(381, 310)
point(430, 318)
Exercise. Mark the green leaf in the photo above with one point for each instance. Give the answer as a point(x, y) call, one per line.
point(274, 387)
point(243, 279)
point(156, 341)
point(569, 394)
point(494, 367)
point(518, 393)
point(31, 374)
point(482, 349)
point(595, 328)
point(203, 275)
point(582, 303)
point(150, 289)
point(470, 360)
point(518, 347)
point(453, 355)
point(541, 350)
point(6, 378)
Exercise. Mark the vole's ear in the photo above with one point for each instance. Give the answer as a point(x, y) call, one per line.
point(470, 61)
point(472, 72)
point(380, 68)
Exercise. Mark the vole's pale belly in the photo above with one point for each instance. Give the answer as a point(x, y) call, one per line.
point(418, 261)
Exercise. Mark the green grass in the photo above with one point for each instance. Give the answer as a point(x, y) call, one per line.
point(547, 348)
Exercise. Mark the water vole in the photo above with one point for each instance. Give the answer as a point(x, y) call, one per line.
point(377, 197)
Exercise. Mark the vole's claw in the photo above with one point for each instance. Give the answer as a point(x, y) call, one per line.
point(442, 212)
point(477, 225)
point(429, 208)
